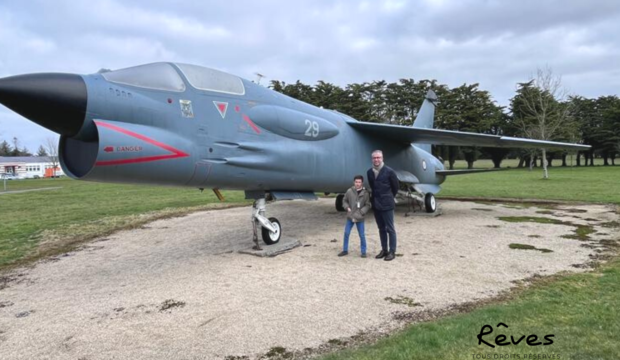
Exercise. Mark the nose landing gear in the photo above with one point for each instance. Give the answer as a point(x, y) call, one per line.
point(270, 228)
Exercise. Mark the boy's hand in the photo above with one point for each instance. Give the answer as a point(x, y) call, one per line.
point(348, 209)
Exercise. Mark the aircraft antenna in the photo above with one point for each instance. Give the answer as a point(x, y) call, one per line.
point(258, 77)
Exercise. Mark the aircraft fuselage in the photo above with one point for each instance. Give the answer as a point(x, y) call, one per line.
point(258, 140)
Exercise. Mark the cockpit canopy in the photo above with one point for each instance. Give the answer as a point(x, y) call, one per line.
point(212, 80)
point(157, 76)
point(164, 76)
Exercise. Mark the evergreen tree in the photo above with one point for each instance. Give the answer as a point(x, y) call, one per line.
point(41, 151)
point(5, 149)
point(24, 152)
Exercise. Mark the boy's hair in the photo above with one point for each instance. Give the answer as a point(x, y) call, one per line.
point(358, 177)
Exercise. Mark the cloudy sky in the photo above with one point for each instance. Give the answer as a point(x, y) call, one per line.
point(493, 43)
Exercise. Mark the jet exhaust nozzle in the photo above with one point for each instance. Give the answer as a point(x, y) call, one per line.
point(55, 101)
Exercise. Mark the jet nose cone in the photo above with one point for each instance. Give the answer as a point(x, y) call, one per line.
point(55, 101)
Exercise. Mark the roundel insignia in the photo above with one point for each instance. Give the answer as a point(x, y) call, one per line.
point(424, 165)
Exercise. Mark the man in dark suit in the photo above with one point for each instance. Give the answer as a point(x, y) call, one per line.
point(384, 185)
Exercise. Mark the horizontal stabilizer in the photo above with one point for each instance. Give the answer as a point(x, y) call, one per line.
point(408, 135)
point(406, 177)
point(463, 172)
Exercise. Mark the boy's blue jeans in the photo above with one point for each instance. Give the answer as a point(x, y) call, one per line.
point(360, 231)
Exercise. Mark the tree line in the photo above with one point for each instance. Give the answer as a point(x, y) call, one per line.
point(13, 149)
point(540, 109)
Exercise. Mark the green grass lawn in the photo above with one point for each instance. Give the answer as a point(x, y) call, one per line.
point(83, 210)
point(594, 184)
point(513, 163)
point(26, 184)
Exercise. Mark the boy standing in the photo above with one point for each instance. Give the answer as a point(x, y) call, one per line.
point(357, 202)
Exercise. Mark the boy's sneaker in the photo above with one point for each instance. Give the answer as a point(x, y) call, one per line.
point(343, 253)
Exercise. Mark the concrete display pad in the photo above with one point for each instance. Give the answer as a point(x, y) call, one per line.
point(179, 288)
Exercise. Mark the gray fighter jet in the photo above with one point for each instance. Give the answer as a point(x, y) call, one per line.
point(186, 125)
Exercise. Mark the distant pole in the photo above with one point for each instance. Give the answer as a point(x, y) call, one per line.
point(4, 184)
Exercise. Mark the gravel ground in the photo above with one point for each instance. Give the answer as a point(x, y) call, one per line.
point(178, 288)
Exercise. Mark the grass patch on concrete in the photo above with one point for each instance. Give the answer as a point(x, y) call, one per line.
point(613, 244)
point(528, 247)
point(534, 219)
point(611, 224)
point(277, 352)
point(171, 304)
point(581, 232)
point(402, 300)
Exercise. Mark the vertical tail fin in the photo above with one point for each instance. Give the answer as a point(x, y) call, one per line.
point(426, 116)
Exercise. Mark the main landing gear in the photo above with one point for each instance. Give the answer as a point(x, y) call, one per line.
point(271, 230)
point(426, 201)
point(339, 201)
point(430, 205)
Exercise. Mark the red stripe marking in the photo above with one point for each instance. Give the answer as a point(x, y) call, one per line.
point(249, 121)
point(176, 153)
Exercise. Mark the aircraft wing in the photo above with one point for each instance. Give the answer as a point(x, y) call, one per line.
point(408, 135)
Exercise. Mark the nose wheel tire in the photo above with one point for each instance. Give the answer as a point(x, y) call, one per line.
point(270, 237)
point(429, 203)
point(339, 201)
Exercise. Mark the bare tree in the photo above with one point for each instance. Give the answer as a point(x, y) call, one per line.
point(51, 146)
point(542, 108)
